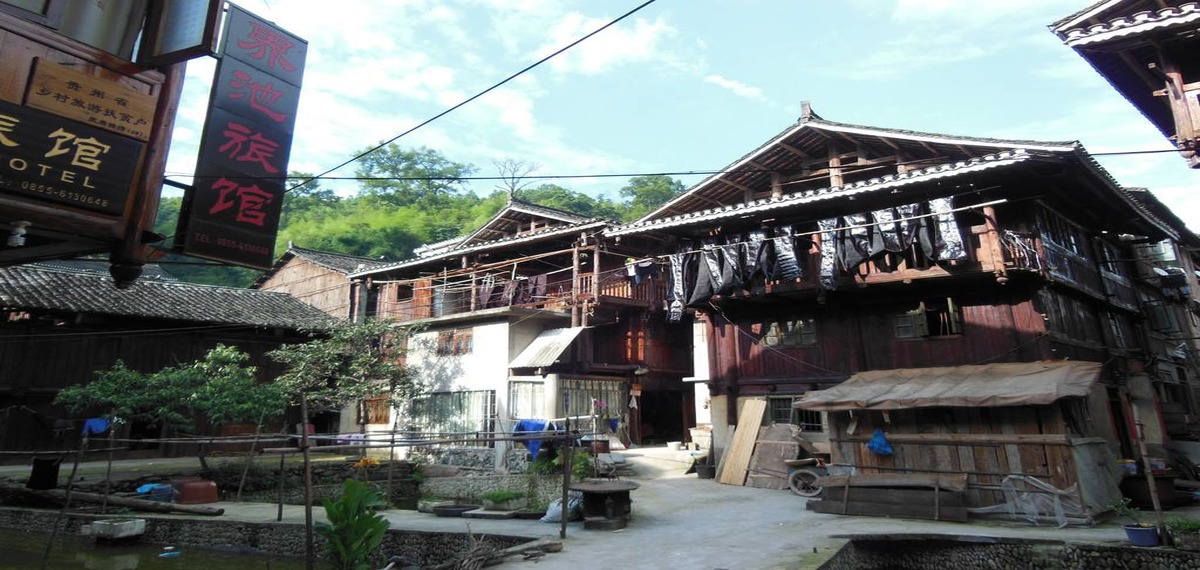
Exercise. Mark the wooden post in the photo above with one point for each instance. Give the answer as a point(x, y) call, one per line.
point(308, 490)
point(575, 286)
point(566, 467)
point(112, 429)
point(1151, 485)
point(67, 499)
point(279, 511)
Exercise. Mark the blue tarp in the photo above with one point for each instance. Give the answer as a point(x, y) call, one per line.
point(533, 445)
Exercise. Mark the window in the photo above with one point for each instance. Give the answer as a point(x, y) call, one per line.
point(526, 400)
point(578, 395)
point(455, 342)
point(796, 332)
point(782, 412)
point(375, 411)
point(1057, 230)
point(929, 318)
point(455, 413)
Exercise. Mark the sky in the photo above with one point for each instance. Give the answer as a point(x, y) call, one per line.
point(683, 85)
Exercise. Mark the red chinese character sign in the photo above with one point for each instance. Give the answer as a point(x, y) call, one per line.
point(231, 213)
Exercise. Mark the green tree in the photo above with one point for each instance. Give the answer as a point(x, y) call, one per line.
point(345, 364)
point(645, 193)
point(555, 196)
point(400, 177)
point(306, 198)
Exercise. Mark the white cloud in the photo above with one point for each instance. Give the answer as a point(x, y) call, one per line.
point(736, 87)
point(620, 44)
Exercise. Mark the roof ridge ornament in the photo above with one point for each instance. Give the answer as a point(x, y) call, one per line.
point(806, 112)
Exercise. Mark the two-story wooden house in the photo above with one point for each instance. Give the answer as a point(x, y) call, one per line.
point(531, 316)
point(975, 298)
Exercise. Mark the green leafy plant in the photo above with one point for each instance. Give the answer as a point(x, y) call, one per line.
point(1123, 509)
point(1183, 524)
point(501, 495)
point(354, 531)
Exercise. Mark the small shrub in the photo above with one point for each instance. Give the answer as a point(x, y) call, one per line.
point(501, 495)
point(354, 531)
point(1183, 524)
point(1124, 510)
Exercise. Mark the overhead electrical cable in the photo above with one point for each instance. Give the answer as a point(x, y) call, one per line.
point(480, 94)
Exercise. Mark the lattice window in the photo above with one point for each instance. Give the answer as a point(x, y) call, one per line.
point(941, 317)
point(527, 400)
point(780, 411)
point(455, 342)
point(461, 414)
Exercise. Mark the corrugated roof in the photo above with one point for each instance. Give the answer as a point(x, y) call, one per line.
point(546, 348)
point(977, 385)
point(31, 287)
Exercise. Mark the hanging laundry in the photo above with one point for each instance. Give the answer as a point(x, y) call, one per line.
point(701, 279)
point(887, 230)
point(949, 243)
point(711, 256)
point(646, 269)
point(95, 425)
point(731, 262)
point(828, 233)
point(786, 266)
point(675, 288)
point(537, 286)
point(487, 286)
point(756, 257)
point(908, 226)
point(854, 247)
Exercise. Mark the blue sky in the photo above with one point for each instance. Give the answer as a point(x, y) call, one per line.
point(685, 85)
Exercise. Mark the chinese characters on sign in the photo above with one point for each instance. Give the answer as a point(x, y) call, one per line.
point(87, 99)
point(51, 158)
point(232, 212)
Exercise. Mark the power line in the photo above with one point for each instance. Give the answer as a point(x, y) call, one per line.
point(481, 93)
point(845, 168)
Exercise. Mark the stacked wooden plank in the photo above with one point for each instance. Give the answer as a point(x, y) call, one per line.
point(734, 466)
point(776, 444)
point(923, 496)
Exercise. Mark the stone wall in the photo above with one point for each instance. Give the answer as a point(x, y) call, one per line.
point(267, 538)
point(933, 553)
point(540, 489)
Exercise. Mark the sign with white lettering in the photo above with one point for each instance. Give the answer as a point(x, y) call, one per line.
point(52, 158)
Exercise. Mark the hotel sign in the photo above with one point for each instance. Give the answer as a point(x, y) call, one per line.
point(54, 159)
point(231, 214)
point(89, 99)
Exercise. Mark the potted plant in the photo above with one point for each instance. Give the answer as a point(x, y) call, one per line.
point(1184, 532)
point(1139, 533)
point(503, 500)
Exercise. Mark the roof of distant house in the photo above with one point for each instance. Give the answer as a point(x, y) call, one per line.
point(37, 286)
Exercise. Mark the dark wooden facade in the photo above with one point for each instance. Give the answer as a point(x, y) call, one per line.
point(1050, 268)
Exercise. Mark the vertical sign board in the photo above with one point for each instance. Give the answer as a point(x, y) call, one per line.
point(231, 214)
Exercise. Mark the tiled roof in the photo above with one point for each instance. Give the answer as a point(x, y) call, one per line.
point(32, 287)
point(889, 181)
point(569, 229)
point(100, 267)
point(1132, 24)
point(811, 133)
point(336, 261)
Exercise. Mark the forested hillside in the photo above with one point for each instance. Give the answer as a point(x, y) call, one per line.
point(407, 198)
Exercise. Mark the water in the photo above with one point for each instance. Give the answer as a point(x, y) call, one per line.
point(23, 551)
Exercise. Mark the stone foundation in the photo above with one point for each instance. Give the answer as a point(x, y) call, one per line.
point(267, 538)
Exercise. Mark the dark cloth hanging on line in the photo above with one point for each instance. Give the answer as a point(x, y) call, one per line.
point(786, 266)
point(487, 286)
point(828, 274)
point(675, 288)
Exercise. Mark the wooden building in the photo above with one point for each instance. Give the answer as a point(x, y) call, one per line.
point(1149, 51)
point(63, 321)
point(836, 250)
point(530, 316)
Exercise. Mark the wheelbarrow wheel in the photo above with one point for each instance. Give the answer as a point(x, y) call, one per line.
point(804, 483)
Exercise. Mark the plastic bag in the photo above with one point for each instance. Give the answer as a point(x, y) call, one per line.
point(879, 443)
point(574, 509)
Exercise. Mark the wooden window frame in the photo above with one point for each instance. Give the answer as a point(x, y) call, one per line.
point(455, 342)
point(930, 319)
point(797, 332)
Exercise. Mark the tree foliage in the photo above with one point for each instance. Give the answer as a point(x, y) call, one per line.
point(345, 364)
point(220, 385)
point(645, 193)
point(407, 198)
